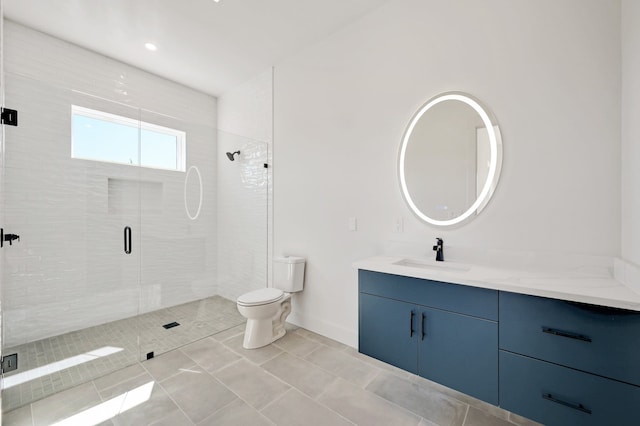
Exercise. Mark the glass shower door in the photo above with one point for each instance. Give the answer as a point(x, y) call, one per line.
point(71, 281)
point(181, 300)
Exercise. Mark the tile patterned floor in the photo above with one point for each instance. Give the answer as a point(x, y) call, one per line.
point(302, 379)
point(135, 337)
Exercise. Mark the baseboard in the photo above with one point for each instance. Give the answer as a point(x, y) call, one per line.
point(325, 328)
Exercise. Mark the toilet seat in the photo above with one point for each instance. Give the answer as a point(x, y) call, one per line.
point(263, 296)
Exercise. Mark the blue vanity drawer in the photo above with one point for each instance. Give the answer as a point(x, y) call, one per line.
point(473, 301)
point(556, 395)
point(604, 341)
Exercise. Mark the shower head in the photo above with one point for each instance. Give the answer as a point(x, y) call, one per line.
point(231, 155)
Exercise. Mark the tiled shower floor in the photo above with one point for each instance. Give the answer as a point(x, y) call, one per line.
point(301, 379)
point(57, 363)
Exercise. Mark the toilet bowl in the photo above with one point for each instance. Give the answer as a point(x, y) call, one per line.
point(266, 309)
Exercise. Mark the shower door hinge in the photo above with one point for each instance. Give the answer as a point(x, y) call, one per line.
point(9, 363)
point(9, 116)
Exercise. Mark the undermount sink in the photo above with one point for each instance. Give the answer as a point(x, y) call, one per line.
point(432, 265)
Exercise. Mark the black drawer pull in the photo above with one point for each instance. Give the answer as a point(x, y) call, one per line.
point(411, 324)
point(422, 326)
point(568, 334)
point(578, 407)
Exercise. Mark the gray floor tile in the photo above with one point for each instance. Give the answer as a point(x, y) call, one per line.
point(296, 409)
point(344, 365)
point(133, 336)
point(477, 417)
point(467, 399)
point(234, 414)
point(126, 386)
point(303, 375)
point(365, 408)
point(18, 417)
point(177, 418)
point(210, 354)
point(251, 383)
point(197, 393)
point(119, 376)
point(166, 365)
point(158, 407)
point(65, 404)
point(424, 401)
point(320, 339)
point(257, 356)
point(231, 332)
point(522, 421)
point(296, 345)
point(377, 363)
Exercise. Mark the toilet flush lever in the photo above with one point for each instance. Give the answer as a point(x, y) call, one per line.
point(7, 237)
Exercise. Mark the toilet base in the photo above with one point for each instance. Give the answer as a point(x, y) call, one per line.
point(259, 333)
point(262, 332)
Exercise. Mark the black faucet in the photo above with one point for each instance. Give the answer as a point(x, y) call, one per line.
point(438, 248)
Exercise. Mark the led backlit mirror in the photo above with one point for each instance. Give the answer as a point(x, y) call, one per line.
point(450, 159)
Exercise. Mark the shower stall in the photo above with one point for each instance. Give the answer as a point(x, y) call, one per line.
point(126, 230)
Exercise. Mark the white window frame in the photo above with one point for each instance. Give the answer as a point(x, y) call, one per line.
point(181, 137)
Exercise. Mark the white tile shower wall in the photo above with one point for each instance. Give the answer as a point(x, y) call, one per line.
point(631, 131)
point(69, 270)
point(242, 216)
point(245, 205)
point(342, 105)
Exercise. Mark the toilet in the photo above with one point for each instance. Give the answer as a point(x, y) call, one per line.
point(267, 309)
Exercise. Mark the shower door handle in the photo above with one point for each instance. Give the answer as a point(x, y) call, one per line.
point(127, 240)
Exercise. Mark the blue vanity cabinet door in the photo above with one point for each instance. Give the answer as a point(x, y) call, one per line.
point(599, 340)
point(385, 331)
point(556, 395)
point(460, 352)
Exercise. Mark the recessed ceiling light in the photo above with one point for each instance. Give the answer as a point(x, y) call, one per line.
point(150, 46)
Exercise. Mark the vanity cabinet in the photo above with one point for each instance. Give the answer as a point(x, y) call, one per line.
point(565, 363)
point(553, 361)
point(444, 332)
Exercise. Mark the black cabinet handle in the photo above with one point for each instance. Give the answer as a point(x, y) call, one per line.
point(578, 407)
point(411, 323)
point(127, 240)
point(567, 334)
point(422, 325)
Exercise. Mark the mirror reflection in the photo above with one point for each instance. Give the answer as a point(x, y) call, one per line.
point(450, 159)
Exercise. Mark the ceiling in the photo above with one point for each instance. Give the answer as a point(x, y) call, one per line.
point(209, 46)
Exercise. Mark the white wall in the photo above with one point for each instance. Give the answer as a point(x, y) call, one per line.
point(631, 131)
point(550, 72)
point(245, 119)
point(69, 271)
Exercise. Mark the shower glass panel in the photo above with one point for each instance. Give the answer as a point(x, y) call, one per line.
point(244, 188)
point(179, 300)
point(67, 283)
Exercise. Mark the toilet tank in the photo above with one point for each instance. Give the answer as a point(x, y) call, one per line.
point(288, 273)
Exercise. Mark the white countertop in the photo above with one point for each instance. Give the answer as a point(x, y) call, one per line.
point(594, 285)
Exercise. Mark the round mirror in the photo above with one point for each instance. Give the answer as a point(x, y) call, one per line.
point(450, 159)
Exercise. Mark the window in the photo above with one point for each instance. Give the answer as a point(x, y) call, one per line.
point(111, 138)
